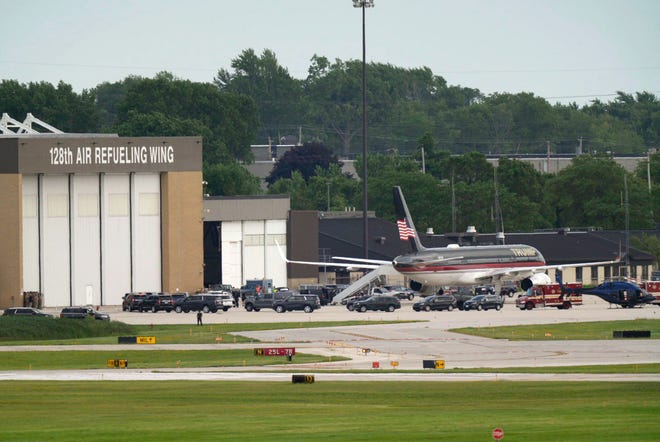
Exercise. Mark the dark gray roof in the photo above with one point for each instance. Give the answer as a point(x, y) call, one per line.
point(344, 237)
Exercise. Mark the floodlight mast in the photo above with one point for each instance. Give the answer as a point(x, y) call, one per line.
point(365, 205)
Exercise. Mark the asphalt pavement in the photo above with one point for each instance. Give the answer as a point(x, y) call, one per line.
point(402, 346)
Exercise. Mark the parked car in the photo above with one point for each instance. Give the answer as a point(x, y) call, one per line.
point(227, 298)
point(83, 312)
point(462, 294)
point(132, 301)
point(178, 296)
point(350, 302)
point(306, 302)
point(401, 292)
point(484, 302)
point(435, 302)
point(377, 302)
point(25, 311)
point(200, 302)
point(509, 288)
point(264, 300)
point(155, 302)
point(484, 290)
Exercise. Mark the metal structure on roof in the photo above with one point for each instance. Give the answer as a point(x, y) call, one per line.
point(11, 126)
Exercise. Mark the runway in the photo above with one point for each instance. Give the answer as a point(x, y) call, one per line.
point(401, 346)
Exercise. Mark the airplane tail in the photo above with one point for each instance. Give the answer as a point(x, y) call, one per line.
point(404, 222)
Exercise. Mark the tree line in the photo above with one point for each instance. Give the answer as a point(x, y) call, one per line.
point(258, 101)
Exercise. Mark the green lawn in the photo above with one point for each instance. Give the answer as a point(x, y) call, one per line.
point(564, 330)
point(82, 360)
point(333, 411)
point(44, 331)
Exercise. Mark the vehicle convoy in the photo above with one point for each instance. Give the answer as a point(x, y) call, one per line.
point(435, 302)
point(484, 302)
point(550, 295)
point(377, 302)
point(255, 302)
point(305, 302)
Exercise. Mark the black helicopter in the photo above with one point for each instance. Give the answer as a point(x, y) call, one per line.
point(621, 292)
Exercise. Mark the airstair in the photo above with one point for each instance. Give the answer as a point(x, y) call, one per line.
point(384, 270)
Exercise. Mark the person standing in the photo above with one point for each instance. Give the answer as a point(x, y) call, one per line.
point(199, 318)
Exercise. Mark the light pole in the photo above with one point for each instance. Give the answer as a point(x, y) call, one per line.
point(365, 217)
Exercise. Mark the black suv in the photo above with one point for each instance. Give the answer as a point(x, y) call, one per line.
point(461, 295)
point(264, 300)
point(82, 313)
point(307, 303)
point(435, 302)
point(484, 302)
point(157, 301)
point(132, 301)
point(25, 311)
point(204, 302)
point(377, 302)
point(350, 302)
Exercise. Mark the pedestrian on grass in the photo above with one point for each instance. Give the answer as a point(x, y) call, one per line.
point(199, 318)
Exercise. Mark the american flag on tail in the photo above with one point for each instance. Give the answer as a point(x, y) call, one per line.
point(405, 232)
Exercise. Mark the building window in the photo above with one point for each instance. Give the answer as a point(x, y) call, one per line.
point(253, 240)
point(274, 239)
point(594, 275)
point(645, 273)
point(608, 272)
point(578, 274)
point(633, 272)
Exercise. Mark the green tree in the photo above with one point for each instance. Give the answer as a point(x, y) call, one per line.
point(591, 192)
point(305, 159)
point(296, 188)
point(57, 106)
point(230, 178)
point(277, 95)
point(649, 244)
point(232, 118)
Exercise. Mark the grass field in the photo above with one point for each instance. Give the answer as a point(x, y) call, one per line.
point(563, 331)
point(333, 411)
point(45, 331)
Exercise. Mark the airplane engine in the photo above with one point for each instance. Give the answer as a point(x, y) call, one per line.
point(535, 279)
point(424, 290)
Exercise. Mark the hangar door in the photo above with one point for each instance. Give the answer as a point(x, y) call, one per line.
point(88, 239)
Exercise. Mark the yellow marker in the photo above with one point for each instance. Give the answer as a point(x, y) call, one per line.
point(146, 339)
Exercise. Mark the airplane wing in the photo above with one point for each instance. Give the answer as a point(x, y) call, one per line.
point(368, 261)
point(358, 264)
point(525, 272)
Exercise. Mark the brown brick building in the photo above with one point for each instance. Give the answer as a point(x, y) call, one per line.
point(87, 218)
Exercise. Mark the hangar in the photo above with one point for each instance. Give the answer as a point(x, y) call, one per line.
point(85, 218)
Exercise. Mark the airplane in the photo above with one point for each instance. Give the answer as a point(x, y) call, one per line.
point(624, 293)
point(468, 265)
point(430, 269)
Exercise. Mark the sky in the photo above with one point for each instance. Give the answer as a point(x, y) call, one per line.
point(561, 50)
